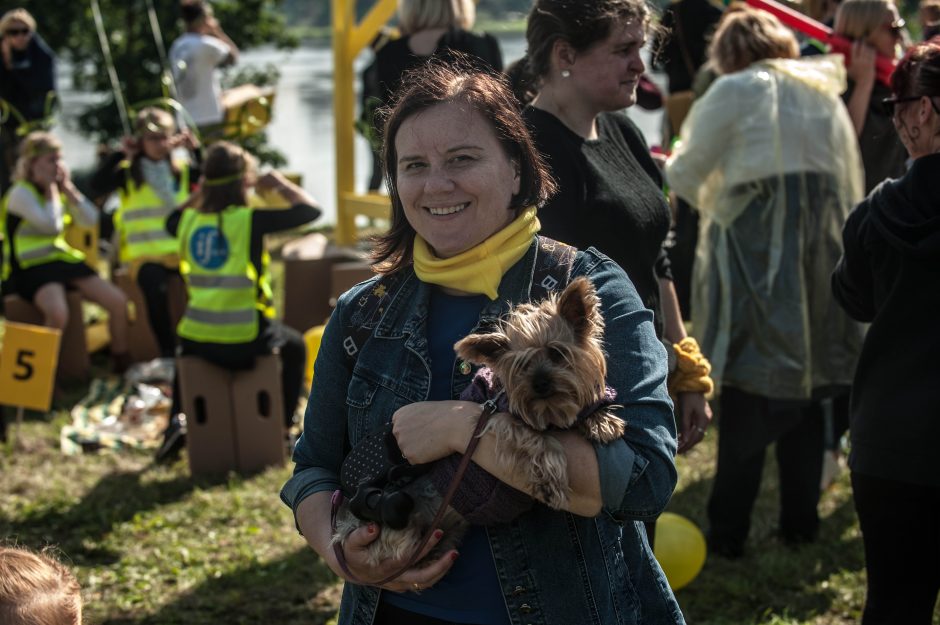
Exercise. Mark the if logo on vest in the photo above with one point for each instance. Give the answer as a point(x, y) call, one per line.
point(208, 247)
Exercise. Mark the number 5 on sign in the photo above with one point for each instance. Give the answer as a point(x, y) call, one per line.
point(27, 365)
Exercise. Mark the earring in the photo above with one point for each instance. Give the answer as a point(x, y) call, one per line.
point(565, 73)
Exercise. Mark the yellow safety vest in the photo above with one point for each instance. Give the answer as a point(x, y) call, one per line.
point(226, 292)
point(30, 246)
point(141, 219)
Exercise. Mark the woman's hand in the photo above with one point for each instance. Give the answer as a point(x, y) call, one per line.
point(186, 140)
point(130, 146)
point(429, 430)
point(414, 579)
point(695, 414)
point(861, 67)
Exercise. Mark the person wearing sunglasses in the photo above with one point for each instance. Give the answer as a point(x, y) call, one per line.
point(889, 276)
point(876, 29)
point(27, 76)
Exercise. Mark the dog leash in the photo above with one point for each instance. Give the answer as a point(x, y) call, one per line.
point(489, 408)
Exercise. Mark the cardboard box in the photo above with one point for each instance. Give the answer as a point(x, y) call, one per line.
point(308, 279)
point(234, 419)
point(74, 361)
point(346, 275)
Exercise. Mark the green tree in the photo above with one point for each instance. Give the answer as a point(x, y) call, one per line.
point(69, 28)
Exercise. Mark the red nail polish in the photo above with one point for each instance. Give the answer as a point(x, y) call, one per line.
point(438, 534)
point(453, 555)
point(370, 528)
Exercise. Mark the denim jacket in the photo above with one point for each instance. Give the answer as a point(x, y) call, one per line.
point(555, 568)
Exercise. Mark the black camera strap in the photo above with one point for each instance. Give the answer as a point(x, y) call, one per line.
point(489, 407)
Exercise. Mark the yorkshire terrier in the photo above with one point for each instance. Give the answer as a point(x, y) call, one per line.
point(545, 363)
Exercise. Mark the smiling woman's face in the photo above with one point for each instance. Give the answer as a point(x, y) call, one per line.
point(454, 179)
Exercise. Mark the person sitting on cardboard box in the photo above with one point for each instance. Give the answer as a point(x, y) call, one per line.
point(38, 263)
point(150, 184)
point(229, 319)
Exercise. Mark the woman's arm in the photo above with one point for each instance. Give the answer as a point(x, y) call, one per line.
point(861, 71)
point(45, 217)
point(694, 412)
point(318, 456)
point(428, 431)
point(852, 283)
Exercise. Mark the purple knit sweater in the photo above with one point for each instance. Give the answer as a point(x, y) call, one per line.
point(481, 498)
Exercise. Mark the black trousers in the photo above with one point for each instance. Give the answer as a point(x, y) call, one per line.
point(747, 424)
point(900, 525)
point(153, 280)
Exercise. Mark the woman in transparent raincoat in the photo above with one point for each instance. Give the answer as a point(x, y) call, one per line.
point(769, 156)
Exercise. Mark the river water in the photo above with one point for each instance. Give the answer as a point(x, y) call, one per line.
point(302, 126)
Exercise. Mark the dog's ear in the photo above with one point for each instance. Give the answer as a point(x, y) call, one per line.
point(579, 306)
point(482, 349)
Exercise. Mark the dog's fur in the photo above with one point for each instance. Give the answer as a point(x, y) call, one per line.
point(549, 358)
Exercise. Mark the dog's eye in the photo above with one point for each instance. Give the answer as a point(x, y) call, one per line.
point(555, 355)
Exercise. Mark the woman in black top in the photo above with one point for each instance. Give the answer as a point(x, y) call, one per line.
point(889, 276)
point(586, 57)
point(430, 28)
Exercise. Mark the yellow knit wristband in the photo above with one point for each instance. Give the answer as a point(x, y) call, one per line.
point(692, 370)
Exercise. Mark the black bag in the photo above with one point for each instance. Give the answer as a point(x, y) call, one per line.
point(373, 476)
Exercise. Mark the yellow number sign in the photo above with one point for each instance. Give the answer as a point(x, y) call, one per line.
point(27, 365)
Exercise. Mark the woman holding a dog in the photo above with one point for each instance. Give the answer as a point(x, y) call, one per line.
point(462, 250)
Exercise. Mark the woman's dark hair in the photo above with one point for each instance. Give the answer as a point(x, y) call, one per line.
point(918, 72)
point(194, 11)
point(224, 172)
point(437, 83)
point(581, 23)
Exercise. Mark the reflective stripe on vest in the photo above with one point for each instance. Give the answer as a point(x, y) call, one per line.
point(226, 294)
point(31, 246)
point(141, 218)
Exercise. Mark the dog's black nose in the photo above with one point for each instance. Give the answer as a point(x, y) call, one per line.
point(542, 383)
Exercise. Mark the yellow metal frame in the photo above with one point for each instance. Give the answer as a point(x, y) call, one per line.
point(349, 38)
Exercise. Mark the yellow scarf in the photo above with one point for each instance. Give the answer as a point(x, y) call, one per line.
point(479, 269)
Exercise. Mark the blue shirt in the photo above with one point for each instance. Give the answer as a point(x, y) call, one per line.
point(470, 592)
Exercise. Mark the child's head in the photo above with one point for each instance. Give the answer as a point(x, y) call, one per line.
point(227, 173)
point(154, 128)
point(40, 154)
point(37, 589)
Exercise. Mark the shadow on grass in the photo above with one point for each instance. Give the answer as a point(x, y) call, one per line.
point(295, 590)
point(114, 499)
point(772, 579)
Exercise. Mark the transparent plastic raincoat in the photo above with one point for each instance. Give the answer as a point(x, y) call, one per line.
point(769, 157)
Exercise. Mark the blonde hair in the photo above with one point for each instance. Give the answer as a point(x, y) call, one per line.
point(153, 119)
point(857, 19)
point(17, 15)
point(745, 36)
point(36, 144)
point(417, 15)
point(225, 169)
point(37, 589)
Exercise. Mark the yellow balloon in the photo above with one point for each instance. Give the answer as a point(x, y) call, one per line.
point(312, 338)
point(680, 548)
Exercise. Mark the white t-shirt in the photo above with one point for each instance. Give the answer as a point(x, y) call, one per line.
point(194, 58)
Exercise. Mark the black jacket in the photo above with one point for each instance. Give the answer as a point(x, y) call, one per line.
point(889, 275)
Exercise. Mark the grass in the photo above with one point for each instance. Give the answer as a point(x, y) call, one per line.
point(150, 545)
